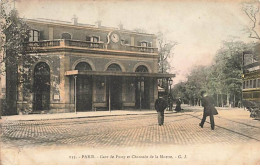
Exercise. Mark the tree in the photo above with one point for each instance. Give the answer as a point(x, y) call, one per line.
point(165, 51)
point(222, 79)
point(14, 32)
point(252, 12)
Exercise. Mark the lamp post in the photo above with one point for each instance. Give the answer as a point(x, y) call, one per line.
point(140, 95)
point(75, 94)
point(170, 95)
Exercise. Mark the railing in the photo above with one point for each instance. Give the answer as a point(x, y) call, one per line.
point(39, 44)
point(84, 44)
point(32, 46)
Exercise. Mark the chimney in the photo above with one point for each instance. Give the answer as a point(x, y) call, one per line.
point(121, 26)
point(75, 20)
point(98, 23)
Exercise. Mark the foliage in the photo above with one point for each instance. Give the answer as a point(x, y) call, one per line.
point(14, 32)
point(221, 79)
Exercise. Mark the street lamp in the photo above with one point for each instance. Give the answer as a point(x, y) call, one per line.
point(170, 95)
point(141, 79)
point(75, 94)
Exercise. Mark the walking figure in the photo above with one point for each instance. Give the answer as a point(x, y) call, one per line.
point(209, 110)
point(178, 105)
point(160, 106)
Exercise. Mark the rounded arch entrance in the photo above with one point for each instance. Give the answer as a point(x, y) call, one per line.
point(84, 88)
point(114, 88)
point(142, 86)
point(41, 86)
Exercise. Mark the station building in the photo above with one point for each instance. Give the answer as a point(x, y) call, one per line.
point(82, 67)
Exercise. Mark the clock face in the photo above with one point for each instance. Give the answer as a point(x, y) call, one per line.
point(115, 37)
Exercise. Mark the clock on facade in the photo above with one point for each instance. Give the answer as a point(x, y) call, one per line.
point(115, 37)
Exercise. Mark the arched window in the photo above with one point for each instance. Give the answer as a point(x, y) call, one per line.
point(83, 66)
point(141, 68)
point(65, 36)
point(114, 67)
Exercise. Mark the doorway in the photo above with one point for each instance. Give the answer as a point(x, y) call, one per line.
point(142, 93)
point(41, 87)
point(114, 92)
point(84, 93)
point(83, 88)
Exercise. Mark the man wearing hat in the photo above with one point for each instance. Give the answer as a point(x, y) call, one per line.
point(209, 109)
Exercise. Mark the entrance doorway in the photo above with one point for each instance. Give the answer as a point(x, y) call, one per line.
point(114, 93)
point(142, 89)
point(142, 93)
point(83, 88)
point(41, 87)
point(84, 93)
point(114, 88)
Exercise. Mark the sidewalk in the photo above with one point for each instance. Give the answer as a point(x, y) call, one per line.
point(91, 114)
point(71, 115)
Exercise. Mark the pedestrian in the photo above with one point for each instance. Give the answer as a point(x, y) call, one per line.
point(178, 105)
point(209, 109)
point(160, 106)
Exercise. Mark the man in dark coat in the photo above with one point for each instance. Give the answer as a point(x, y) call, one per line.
point(160, 106)
point(209, 110)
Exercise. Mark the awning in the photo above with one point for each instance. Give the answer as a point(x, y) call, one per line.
point(116, 73)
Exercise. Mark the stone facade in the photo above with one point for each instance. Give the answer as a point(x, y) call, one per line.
point(115, 69)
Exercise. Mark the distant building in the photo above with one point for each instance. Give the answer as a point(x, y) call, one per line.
point(84, 68)
point(251, 81)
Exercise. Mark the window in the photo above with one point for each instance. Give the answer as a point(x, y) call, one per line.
point(144, 44)
point(250, 85)
point(244, 84)
point(34, 35)
point(150, 44)
point(83, 66)
point(95, 39)
point(254, 83)
point(125, 42)
point(247, 84)
point(258, 83)
point(114, 67)
point(65, 36)
point(141, 68)
point(88, 38)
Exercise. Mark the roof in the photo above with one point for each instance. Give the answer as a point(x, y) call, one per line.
point(81, 25)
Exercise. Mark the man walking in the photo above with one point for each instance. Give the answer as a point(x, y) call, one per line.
point(209, 110)
point(160, 106)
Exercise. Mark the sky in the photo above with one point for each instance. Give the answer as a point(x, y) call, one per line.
point(199, 26)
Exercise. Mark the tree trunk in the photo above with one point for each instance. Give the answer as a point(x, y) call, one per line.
point(228, 100)
point(222, 102)
point(234, 100)
point(217, 101)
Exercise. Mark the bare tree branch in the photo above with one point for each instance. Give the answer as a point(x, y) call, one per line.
point(251, 11)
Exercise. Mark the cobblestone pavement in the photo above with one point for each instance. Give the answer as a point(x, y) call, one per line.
point(232, 126)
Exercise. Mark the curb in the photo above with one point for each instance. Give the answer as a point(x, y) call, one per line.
point(95, 116)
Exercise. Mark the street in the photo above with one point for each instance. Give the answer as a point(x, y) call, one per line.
point(134, 134)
